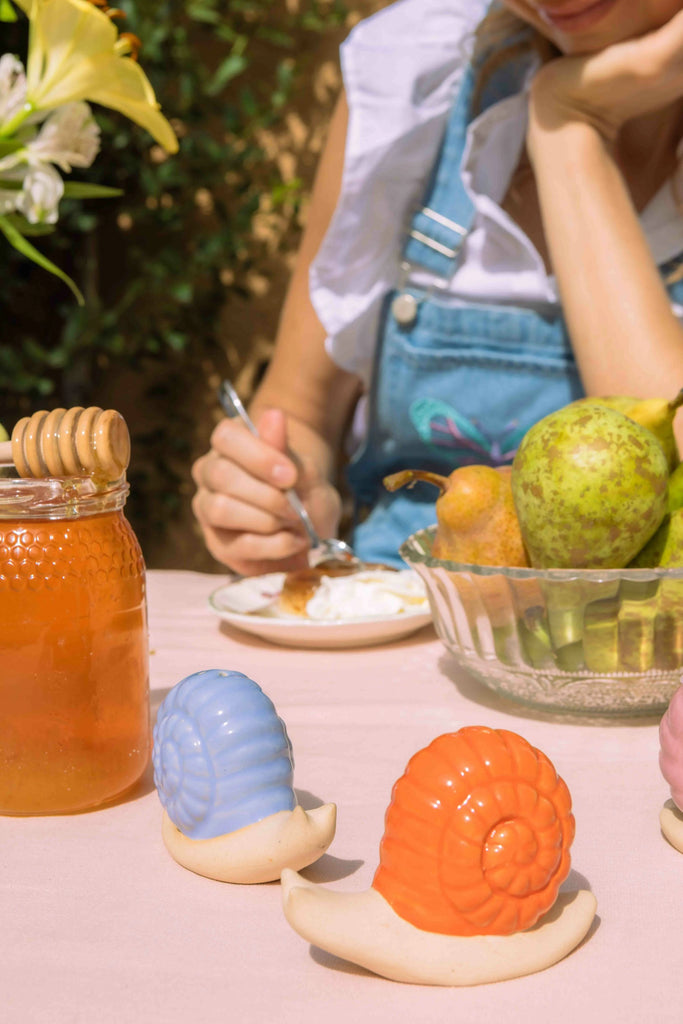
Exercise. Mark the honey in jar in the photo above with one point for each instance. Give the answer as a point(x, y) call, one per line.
point(74, 689)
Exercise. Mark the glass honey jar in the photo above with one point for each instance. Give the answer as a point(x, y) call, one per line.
point(74, 681)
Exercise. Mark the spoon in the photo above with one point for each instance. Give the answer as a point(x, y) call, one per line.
point(321, 549)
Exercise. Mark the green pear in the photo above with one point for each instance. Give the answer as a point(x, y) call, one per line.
point(657, 414)
point(676, 489)
point(4, 436)
point(650, 554)
point(620, 402)
point(665, 547)
point(589, 487)
point(671, 555)
point(669, 620)
point(660, 620)
point(638, 608)
point(601, 635)
point(535, 637)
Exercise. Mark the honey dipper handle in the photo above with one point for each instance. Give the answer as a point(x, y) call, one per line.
point(6, 453)
point(71, 442)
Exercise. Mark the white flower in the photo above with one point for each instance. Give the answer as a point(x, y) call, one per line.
point(40, 195)
point(8, 201)
point(69, 137)
point(9, 197)
point(12, 87)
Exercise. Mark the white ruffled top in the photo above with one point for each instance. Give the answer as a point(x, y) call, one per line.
point(402, 68)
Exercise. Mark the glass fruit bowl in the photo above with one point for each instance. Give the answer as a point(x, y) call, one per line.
point(603, 641)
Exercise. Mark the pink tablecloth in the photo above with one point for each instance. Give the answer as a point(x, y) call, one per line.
point(100, 926)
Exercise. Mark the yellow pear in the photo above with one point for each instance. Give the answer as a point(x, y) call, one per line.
point(657, 414)
point(476, 519)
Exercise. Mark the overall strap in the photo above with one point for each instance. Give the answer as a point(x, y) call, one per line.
point(439, 228)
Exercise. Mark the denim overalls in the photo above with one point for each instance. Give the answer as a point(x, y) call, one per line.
point(453, 384)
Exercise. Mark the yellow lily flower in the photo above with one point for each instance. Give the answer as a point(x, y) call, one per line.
point(75, 53)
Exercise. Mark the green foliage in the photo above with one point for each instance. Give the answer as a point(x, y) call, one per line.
point(152, 261)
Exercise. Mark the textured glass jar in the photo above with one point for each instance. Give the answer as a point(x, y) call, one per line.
point(74, 683)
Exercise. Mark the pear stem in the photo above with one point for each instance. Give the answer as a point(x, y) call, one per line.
point(409, 477)
point(677, 401)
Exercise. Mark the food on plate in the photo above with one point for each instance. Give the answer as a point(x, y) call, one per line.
point(335, 593)
point(476, 518)
point(301, 584)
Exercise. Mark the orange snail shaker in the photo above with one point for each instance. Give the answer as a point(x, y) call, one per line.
point(477, 835)
point(74, 683)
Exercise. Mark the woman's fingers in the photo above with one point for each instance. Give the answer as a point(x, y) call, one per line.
point(258, 455)
point(242, 511)
point(255, 554)
point(640, 75)
point(222, 478)
point(240, 503)
point(616, 84)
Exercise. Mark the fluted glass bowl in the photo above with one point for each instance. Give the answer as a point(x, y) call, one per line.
point(603, 641)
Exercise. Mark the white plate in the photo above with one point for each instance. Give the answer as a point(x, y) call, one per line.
point(230, 601)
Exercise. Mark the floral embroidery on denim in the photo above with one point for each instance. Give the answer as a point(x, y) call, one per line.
point(441, 426)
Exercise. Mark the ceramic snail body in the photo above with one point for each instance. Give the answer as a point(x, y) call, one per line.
point(671, 766)
point(475, 848)
point(223, 768)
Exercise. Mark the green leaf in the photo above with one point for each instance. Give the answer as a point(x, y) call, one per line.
point(86, 190)
point(199, 12)
point(8, 146)
point(7, 12)
point(182, 292)
point(18, 242)
point(24, 227)
point(231, 67)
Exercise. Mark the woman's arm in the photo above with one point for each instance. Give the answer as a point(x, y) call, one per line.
point(624, 333)
point(301, 379)
point(301, 410)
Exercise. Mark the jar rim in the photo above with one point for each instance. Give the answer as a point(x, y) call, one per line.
point(60, 497)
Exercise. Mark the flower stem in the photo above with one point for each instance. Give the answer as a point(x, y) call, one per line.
point(16, 121)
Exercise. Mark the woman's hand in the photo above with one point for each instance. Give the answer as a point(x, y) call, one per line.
point(608, 88)
point(602, 137)
point(241, 505)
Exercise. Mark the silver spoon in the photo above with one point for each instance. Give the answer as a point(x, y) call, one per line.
point(321, 550)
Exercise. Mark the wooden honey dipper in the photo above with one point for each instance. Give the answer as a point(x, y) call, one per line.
point(69, 442)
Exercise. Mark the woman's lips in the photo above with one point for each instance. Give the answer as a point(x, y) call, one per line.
point(575, 18)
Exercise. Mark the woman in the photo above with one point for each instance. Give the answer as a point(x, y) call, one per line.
point(538, 142)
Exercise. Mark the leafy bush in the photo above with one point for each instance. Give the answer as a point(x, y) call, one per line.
point(157, 264)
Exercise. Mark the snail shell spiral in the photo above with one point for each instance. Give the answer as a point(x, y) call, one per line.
point(671, 747)
point(477, 835)
point(222, 757)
